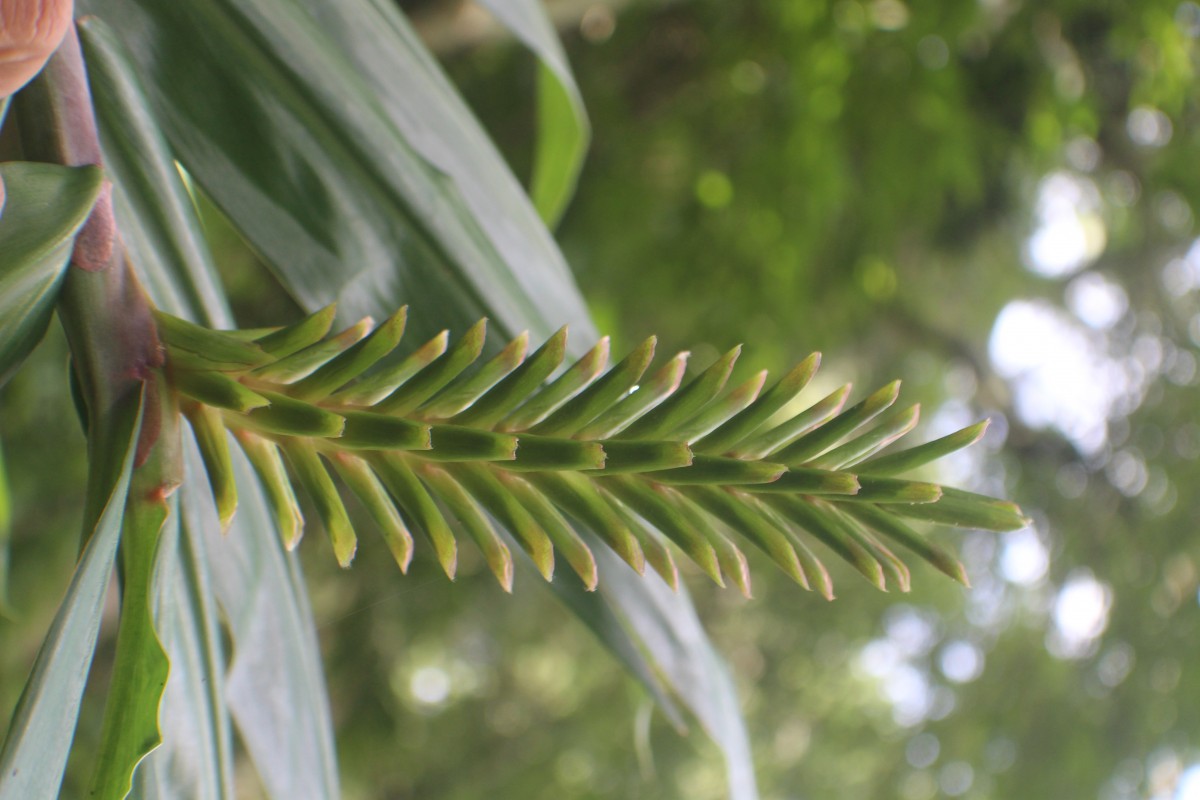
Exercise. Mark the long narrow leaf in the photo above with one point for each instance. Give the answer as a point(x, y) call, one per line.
point(35, 750)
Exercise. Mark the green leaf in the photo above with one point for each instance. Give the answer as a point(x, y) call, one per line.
point(196, 756)
point(42, 728)
point(370, 431)
point(502, 398)
point(656, 509)
point(549, 453)
point(578, 497)
point(275, 687)
point(139, 673)
point(419, 204)
point(398, 476)
point(268, 463)
point(894, 529)
point(648, 394)
point(822, 523)
point(218, 349)
point(563, 129)
point(640, 456)
point(44, 208)
point(741, 517)
point(347, 366)
point(871, 442)
point(299, 335)
point(552, 525)
point(302, 363)
point(720, 470)
point(153, 208)
point(467, 389)
point(290, 417)
point(631, 613)
point(218, 390)
point(892, 490)
point(759, 445)
point(599, 395)
point(570, 383)
point(374, 388)
point(448, 366)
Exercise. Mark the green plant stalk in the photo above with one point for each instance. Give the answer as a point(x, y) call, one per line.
point(104, 311)
point(140, 668)
point(117, 356)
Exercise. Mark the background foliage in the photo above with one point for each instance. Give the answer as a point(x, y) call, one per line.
point(868, 179)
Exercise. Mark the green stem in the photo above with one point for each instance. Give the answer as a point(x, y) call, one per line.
point(104, 311)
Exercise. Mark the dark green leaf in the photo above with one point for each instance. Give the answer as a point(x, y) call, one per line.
point(543, 452)
point(420, 205)
point(45, 206)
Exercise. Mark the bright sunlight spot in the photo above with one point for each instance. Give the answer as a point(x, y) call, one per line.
point(430, 686)
point(1069, 232)
point(1080, 615)
point(1059, 378)
point(1189, 784)
point(1023, 559)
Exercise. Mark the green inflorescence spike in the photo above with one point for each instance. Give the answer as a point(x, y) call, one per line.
point(438, 442)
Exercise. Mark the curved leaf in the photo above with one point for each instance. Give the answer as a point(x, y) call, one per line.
point(350, 162)
point(563, 130)
point(45, 206)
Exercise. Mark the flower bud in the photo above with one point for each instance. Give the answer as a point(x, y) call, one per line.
point(30, 32)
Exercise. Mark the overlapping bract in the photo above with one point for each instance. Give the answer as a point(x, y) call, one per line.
point(444, 444)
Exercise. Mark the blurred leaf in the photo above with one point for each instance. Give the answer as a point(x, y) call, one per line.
point(563, 129)
point(666, 625)
point(39, 737)
point(45, 205)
